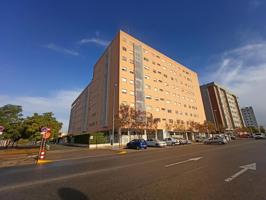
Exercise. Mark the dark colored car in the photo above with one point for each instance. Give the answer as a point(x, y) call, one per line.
point(137, 144)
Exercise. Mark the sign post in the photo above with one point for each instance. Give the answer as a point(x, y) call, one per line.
point(46, 133)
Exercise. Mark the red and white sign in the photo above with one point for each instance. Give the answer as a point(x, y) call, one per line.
point(45, 129)
point(46, 135)
point(2, 128)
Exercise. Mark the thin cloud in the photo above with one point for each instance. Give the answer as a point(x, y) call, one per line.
point(94, 40)
point(243, 71)
point(61, 49)
point(254, 4)
point(59, 103)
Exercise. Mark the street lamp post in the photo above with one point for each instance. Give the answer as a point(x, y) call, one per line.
point(113, 128)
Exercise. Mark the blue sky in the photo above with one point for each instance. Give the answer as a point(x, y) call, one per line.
point(48, 48)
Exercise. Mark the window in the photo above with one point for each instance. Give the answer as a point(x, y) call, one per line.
point(171, 121)
point(156, 98)
point(146, 67)
point(124, 58)
point(124, 91)
point(168, 101)
point(124, 48)
point(124, 80)
point(147, 77)
point(157, 109)
point(162, 99)
point(169, 111)
point(155, 89)
point(124, 69)
point(148, 107)
point(131, 61)
point(148, 97)
point(146, 59)
point(154, 71)
point(163, 109)
point(147, 86)
point(131, 82)
point(132, 93)
point(131, 72)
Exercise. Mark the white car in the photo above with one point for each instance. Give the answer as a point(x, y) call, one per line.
point(155, 143)
point(170, 141)
point(259, 136)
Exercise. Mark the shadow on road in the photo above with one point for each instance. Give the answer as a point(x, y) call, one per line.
point(70, 194)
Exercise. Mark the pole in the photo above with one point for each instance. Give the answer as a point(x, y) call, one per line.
point(113, 128)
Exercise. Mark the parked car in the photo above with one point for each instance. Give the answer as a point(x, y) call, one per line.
point(199, 139)
point(184, 141)
point(156, 143)
point(137, 144)
point(233, 137)
point(259, 136)
point(244, 136)
point(215, 140)
point(170, 141)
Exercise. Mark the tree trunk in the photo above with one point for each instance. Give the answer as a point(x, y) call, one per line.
point(119, 137)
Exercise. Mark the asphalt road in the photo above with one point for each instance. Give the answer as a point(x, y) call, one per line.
point(181, 172)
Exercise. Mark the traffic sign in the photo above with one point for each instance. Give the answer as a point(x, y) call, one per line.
point(2, 128)
point(45, 129)
point(46, 135)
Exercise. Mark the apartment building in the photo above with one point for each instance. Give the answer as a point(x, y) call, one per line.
point(221, 107)
point(132, 73)
point(249, 117)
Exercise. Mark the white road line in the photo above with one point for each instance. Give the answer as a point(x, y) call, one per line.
point(251, 166)
point(185, 161)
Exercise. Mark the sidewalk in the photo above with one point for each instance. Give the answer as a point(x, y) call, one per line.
point(16, 157)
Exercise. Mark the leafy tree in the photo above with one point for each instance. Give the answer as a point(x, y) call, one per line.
point(32, 125)
point(11, 119)
point(124, 118)
point(252, 129)
point(262, 129)
point(179, 126)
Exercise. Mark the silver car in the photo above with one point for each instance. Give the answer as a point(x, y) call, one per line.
point(155, 143)
point(215, 140)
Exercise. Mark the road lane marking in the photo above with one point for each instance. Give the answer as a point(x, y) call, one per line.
point(251, 166)
point(185, 161)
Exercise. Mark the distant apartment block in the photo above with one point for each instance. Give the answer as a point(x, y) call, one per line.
point(249, 117)
point(132, 73)
point(221, 107)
